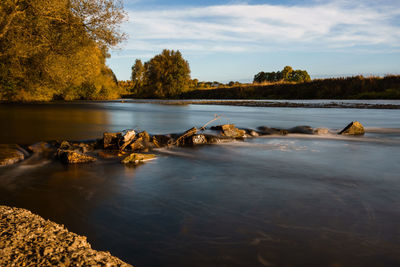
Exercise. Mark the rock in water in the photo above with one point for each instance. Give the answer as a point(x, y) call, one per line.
point(301, 130)
point(229, 130)
point(199, 139)
point(128, 137)
point(40, 147)
point(73, 157)
point(162, 140)
point(111, 139)
point(354, 128)
point(264, 130)
point(10, 154)
point(136, 158)
point(321, 131)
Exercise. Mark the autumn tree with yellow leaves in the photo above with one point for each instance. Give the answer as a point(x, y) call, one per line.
point(56, 49)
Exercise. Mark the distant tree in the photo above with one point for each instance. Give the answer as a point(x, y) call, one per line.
point(138, 74)
point(231, 83)
point(286, 72)
point(299, 76)
point(167, 74)
point(287, 75)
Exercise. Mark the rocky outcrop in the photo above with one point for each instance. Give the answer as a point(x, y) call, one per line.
point(353, 128)
point(11, 153)
point(136, 158)
point(27, 239)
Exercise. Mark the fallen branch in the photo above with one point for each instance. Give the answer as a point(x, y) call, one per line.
point(216, 117)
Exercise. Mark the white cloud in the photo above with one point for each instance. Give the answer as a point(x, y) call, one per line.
point(242, 27)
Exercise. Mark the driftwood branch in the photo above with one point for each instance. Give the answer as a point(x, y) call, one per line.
point(217, 117)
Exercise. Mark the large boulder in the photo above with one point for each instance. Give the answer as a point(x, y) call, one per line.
point(11, 153)
point(73, 157)
point(354, 128)
point(229, 130)
point(136, 158)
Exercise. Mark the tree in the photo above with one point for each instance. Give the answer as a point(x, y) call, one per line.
point(54, 49)
point(286, 72)
point(166, 75)
point(138, 72)
point(287, 75)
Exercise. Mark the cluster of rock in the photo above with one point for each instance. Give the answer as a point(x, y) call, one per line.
point(27, 239)
point(131, 147)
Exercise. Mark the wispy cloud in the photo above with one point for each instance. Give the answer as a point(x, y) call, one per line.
point(242, 27)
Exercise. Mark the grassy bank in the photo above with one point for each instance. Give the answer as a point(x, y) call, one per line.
point(336, 88)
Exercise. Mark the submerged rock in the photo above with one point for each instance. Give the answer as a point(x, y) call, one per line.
point(40, 147)
point(73, 157)
point(353, 128)
point(264, 130)
point(11, 153)
point(301, 130)
point(29, 240)
point(136, 158)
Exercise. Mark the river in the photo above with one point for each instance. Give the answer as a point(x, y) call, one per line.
point(271, 201)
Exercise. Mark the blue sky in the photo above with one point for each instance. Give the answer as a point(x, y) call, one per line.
point(234, 40)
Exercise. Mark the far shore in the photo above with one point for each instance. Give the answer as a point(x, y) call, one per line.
point(268, 103)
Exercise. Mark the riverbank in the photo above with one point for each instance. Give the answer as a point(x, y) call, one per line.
point(27, 239)
point(271, 104)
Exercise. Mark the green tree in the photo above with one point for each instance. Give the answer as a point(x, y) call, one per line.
point(137, 75)
point(51, 49)
point(286, 72)
point(167, 75)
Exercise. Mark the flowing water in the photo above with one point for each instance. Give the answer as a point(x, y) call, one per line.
point(272, 201)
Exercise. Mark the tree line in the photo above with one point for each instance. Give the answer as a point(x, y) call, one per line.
point(357, 87)
point(57, 49)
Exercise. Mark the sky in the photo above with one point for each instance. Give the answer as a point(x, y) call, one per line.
point(234, 40)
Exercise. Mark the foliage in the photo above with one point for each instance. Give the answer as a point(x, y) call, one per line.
point(357, 87)
point(286, 75)
point(56, 49)
point(166, 75)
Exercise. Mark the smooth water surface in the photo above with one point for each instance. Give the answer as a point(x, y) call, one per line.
point(271, 201)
